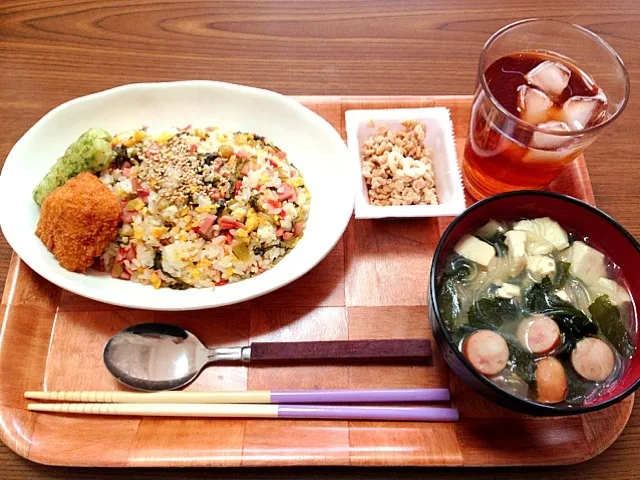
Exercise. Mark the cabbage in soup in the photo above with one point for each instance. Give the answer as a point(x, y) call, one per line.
point(538, 311)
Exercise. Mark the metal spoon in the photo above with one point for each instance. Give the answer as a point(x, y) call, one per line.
point(158, 356)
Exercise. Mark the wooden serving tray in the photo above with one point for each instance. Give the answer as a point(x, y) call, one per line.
point(372, 285)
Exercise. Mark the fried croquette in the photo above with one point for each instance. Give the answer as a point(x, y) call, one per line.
point(78, 221)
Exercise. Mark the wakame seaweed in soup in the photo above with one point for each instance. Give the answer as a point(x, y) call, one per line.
point(539, 312)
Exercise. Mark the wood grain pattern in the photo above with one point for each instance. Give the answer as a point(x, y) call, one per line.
point(156, 440)
point(405, 442)
point(386, 264)
point(54, 51)
point(316, 443)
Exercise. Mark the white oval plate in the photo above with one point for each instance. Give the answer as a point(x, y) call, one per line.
point(311, 143)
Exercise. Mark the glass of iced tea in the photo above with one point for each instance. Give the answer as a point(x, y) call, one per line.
point(546, 90)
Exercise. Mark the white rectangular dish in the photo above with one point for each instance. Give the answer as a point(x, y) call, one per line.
point(439, 138)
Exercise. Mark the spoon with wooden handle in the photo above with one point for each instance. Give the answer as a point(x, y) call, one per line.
point(158, 356)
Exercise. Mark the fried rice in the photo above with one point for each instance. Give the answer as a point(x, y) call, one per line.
point(201, 207)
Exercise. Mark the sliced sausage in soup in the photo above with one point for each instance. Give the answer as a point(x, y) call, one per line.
point(551, 381)
point(487, 351)
point(593, 359)
point(539, 334)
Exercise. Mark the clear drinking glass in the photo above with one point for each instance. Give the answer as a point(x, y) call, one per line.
point(503, 151)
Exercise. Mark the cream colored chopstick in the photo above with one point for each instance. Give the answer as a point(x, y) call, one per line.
point(256, 396)
point(160, 410)
point(221, 410)
point(393, 395)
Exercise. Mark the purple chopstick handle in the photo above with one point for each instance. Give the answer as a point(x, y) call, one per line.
point(329, 412)
point(361, 396)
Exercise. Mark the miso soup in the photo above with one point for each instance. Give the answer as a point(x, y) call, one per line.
point(538, 311)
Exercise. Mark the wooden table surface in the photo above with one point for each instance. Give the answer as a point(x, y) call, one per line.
point(52, 51)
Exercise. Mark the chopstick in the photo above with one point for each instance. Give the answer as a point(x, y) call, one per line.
point(251, 397)
point(292, 404)
point(326, 412)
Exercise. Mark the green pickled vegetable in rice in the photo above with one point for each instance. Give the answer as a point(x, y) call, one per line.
point(90, 153)
point(538, 311)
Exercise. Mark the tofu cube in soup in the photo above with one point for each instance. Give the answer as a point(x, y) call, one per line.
point(490, 229)
point(475, 250)
point(541, 266)
point(587, 263)
point(516, 244)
